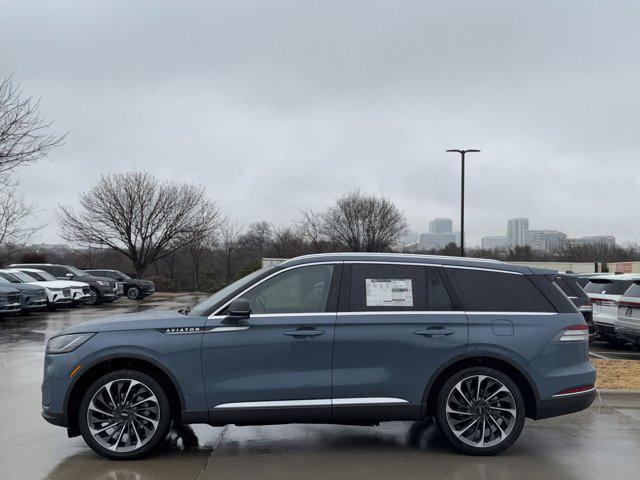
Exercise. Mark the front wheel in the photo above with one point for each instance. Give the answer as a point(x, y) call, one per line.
point(93, 298)
point(133, 293)
point(124, 415)
point(480, 411)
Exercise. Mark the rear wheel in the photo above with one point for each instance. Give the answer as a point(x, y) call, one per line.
point(124, 415)
point(480, 411)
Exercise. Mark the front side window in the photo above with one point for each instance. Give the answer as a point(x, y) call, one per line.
point(9, 278)
point(488, 291)
point(387, 287)
point(299, 290)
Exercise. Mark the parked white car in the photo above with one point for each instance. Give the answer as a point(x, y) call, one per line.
point(605, 292)
point(628, 323)
point(59, 292)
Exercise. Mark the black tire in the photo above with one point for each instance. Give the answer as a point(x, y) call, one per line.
point(134, 293)
point(94, 298)
point(163, 416)
point(507, 422)
point(615, 342)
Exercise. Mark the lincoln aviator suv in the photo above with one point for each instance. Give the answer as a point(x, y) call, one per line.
point(332, 338)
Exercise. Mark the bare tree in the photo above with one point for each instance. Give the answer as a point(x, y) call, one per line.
point(258, 238)
point(287, 242)
point(364, 223)
point(135, 214)
point(15, 233)
point(311, 228)
point(229, 245)
point(24, 134)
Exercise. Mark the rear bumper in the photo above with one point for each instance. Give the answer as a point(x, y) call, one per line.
point(629, 335)
point(553, 407)
point(606, 329)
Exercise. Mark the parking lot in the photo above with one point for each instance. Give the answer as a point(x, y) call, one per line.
point(601, 442)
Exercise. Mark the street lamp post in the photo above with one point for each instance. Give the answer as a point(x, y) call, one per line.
point(462, 154)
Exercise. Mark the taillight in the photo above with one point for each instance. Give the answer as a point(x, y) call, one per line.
point(604, 302)
point(573, 333)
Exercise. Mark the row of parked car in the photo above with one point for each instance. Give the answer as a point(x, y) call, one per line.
point(610, 304)
point(29, 287)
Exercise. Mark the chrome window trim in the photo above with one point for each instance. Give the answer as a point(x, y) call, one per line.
point(321, 402)
point(339, 262)
point(403, 312)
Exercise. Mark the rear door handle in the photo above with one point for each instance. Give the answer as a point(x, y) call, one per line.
point(434, 332)
point(303, 333)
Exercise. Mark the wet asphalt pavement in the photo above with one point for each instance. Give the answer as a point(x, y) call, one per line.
point(597, 443)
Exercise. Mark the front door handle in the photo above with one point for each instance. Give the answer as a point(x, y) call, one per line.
point(304, 332)
point(434, 332)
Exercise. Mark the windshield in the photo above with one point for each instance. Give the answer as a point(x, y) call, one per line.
point(42, 276)
point(204, 307)
point(8, 278)
point(607, 287)
point(123, 275)
point(77, 272)
point(23, 277)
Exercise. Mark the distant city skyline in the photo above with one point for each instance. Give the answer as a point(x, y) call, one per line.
point(517, 233)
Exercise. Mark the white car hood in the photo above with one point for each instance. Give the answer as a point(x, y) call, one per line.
point(60, 284)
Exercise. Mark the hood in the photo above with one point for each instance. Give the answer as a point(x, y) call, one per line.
point(138, 321)
point(92, 278)
point(60, 284)
point(27, 287)
point(6, 288)
point(139, 281)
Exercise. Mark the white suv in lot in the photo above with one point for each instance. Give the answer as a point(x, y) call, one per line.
point(628, 323)
point(605, 292)
point(59, 292)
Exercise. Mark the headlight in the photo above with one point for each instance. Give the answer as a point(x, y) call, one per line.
point(67, 343)
point(103, 282)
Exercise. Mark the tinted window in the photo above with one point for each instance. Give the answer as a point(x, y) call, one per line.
point(633, 291)
point(378, 287)
point(560, 282)
point(484, 291)
point(607, 287)
point(9, 278)
point(299, 290)
point(54, 270)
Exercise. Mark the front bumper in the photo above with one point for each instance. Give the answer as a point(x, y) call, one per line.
point(57, 419)
point(35, 305)
point(10, 307)
point(562, 405)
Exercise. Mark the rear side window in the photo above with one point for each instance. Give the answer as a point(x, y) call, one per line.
point(564, 286)
point(633, 291)
point(381, 287)
point(55, 271)
point(485, 291)
point(607, 287)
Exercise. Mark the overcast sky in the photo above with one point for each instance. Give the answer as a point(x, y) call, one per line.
point(275, 106)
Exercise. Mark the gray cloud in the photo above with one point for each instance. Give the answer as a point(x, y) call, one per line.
point(276, 106)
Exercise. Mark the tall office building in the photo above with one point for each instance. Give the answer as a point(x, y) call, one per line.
point(441, 225)
point(545, 240)
point(516, 231)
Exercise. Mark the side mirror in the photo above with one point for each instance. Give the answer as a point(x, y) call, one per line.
point(69, 275)
point(239, 309)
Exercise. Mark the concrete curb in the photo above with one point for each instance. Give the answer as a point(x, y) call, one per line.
point(617, 398)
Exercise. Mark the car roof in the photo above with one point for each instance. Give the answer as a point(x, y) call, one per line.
point(620, 276)
point(484, 263)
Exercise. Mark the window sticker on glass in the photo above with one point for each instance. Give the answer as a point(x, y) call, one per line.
point(389, 292)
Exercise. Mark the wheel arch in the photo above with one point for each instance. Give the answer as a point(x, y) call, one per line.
point(522, 379)
point(112, 363)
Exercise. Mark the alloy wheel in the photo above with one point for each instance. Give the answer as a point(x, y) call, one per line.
point(133, 293)
point(92, 299)
point(123, 415)
point(481, 411)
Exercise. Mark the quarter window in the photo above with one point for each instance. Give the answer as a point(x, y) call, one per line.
point(381, 287)
point(299, 290)
point(484, 291)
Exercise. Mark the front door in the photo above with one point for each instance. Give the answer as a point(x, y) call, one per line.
point(276, 365)
point(396, 327)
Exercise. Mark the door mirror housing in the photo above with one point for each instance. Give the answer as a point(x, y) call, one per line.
point(69, 275)
point(239, 309)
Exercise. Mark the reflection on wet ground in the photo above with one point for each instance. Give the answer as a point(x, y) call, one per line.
point(596, 443)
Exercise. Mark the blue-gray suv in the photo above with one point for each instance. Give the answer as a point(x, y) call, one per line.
point(332, 338)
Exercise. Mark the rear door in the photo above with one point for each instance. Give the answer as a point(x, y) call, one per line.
point(629, 312)
point(396, 326)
